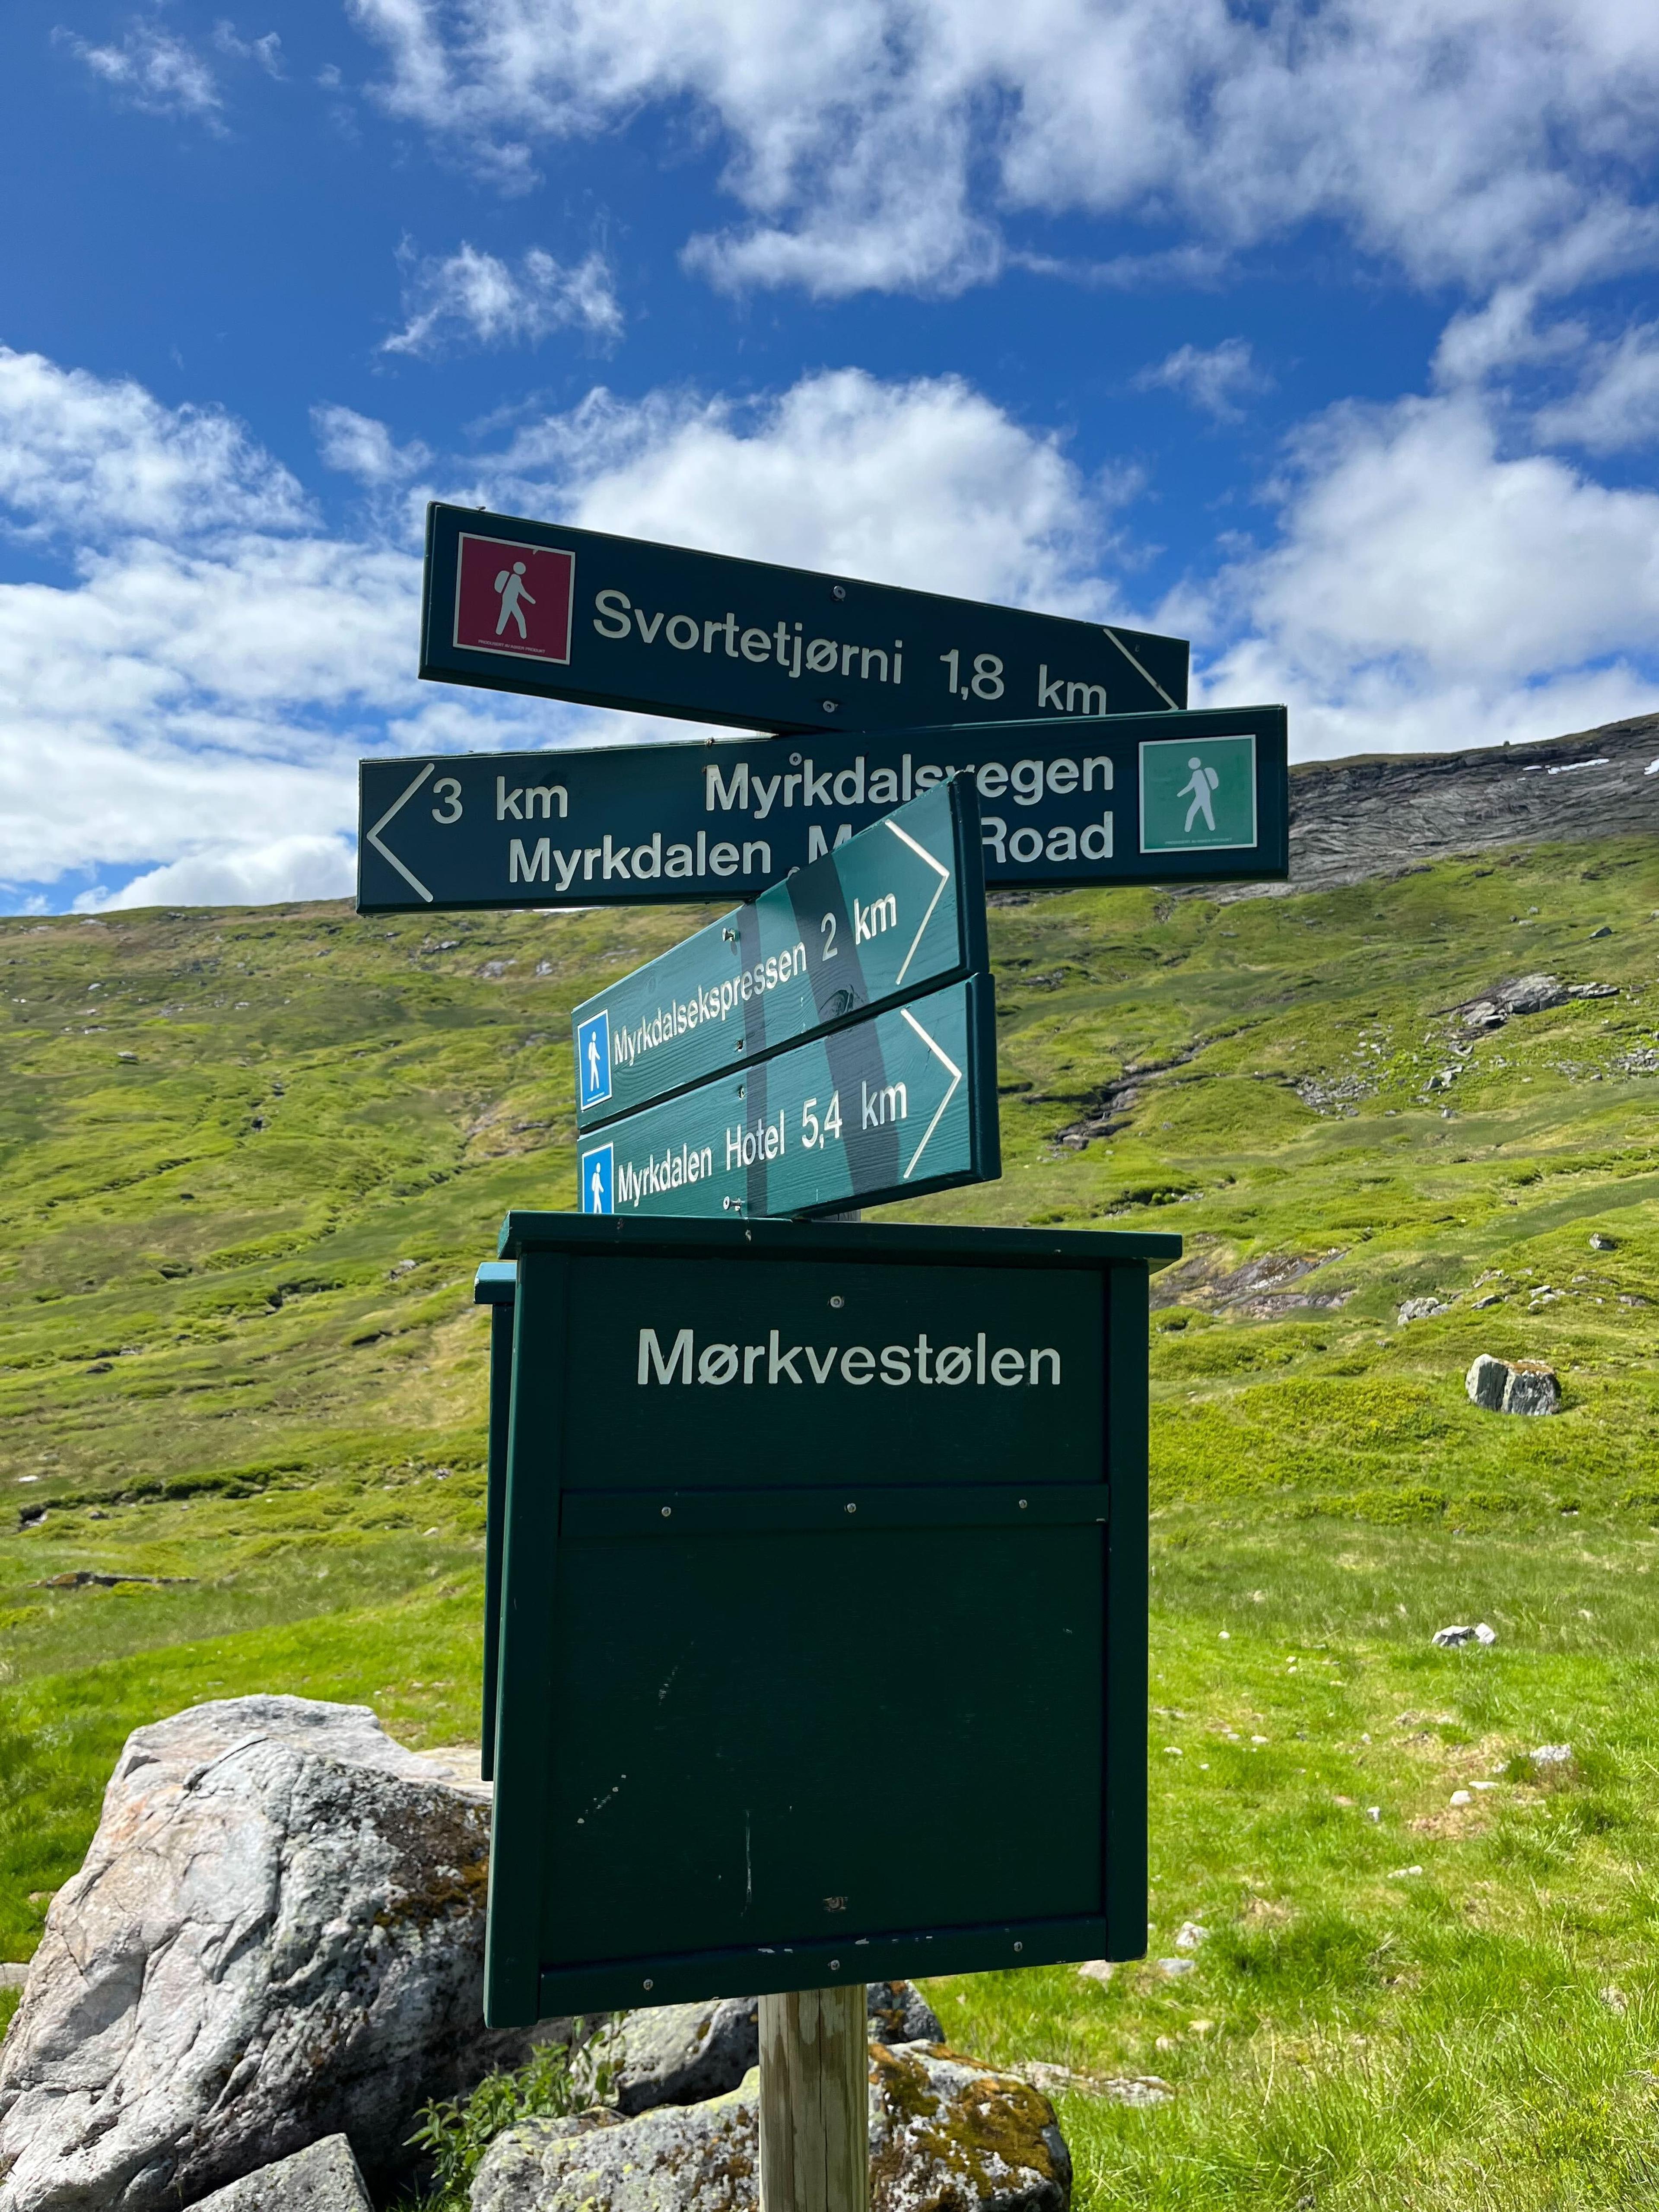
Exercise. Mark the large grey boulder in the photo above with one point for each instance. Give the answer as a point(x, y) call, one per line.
point(1513, 1386)
point(277, 1935)
point(678, 2054)
point(946, 2135)
point(323, 2178)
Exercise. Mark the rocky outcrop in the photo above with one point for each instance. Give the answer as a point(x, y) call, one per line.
point(1378, 815)
point(1513, 1386)
point(323, 2178)
point(276, 1937)
point(946, 2135)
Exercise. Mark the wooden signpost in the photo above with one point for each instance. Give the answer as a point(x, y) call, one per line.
point(735, 1443)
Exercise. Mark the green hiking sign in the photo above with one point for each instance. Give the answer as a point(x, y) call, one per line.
point(1197, 792)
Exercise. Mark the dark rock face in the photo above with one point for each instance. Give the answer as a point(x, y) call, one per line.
point(1376, 816)
point(946, 2135)
point(277, 1935)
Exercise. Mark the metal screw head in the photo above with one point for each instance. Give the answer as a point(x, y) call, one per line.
point(837, 1303)
point(667, 1512)
point(834, 1966)
point(730, 936)
point(1022, 1504)
point(647, 1986)
point(838, 591)
point(830, 706)
point(1020, 1946)
point(851, 1508)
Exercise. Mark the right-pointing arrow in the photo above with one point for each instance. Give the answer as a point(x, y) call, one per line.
point(945, 1061)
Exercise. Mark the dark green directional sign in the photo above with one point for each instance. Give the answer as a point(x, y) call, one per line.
point(888, 1108)
point(746, 1461)
point(898, 910)
point(1063, 800)
point(514, 605)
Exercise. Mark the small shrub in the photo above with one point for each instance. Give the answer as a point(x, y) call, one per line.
point(559, 2079)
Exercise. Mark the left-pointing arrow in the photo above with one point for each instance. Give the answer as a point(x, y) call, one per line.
point(384, 850)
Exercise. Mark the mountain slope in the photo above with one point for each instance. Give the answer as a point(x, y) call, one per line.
point(251, 1158)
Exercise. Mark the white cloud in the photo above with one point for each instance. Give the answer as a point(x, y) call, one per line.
point(1617, 404)
point(192, 705)
point(199, 696)
point(357, 445)
point(926, 483)
point(94, 458)
point(1214, 378)
point(472, 296)
point(885, 144)
point(1428, 590)
point(238, 875)
point(153, 71)
point(267, 51)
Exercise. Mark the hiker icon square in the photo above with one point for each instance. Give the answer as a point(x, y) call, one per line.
point(593, 1059)
point(513, 597)
point(1197, 794)
point(597, 1173)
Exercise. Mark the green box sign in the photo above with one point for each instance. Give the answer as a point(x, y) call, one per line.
point(744, 1461)
point(897, 909)
point(889, 1107)
point(515, 605)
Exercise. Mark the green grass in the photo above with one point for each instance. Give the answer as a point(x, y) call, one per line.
point(218, 1363)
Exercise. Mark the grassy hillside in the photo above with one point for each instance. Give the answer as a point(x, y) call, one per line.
point(250, 1159)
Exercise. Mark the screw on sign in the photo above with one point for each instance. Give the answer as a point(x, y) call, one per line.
point(513, 597)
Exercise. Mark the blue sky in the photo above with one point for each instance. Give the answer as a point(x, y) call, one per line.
point(1322, 334)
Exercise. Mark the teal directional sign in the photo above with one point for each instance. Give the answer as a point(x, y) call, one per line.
point(515, 605)
point(1064, 800)
point(891, 1106)
point(894, 911)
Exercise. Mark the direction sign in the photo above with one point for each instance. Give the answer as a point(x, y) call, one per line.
point(892, 1106)
point(1060, 805)
point(895, 911)
point(513, 606)
point(738, 1453)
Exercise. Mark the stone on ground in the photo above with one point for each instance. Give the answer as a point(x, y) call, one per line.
point(899, 2013)
point(277, 1935)
point(322, 2177)
point(678, 2054)
point(1513, 1386)
point(945, 2135)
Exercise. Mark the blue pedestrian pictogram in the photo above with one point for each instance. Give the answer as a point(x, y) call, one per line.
point(596, 1172)
point(593, 1060)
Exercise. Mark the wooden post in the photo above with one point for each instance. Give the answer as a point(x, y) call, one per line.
point(815, 2101)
